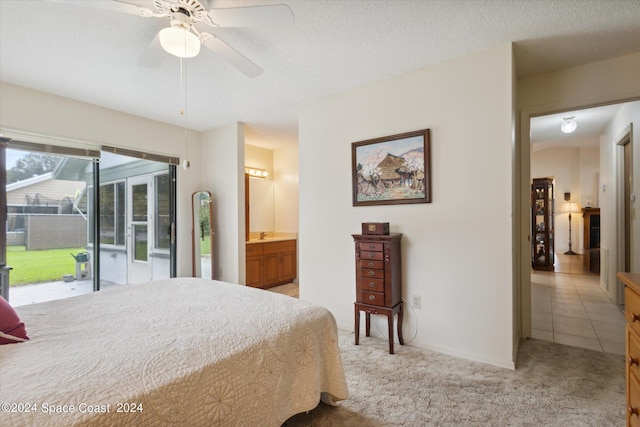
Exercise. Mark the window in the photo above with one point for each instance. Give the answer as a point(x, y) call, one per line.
point(90, 219)
point(112, 213)
point(163, 211)
point(120, 213)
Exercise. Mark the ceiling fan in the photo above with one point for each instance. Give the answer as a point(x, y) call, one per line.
point(183, 37)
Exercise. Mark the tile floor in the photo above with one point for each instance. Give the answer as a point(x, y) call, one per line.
point(290, 289)
point(568, 307)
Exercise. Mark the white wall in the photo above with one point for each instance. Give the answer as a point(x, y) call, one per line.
point(610, 154)
point(259, 157)
point(282, 165)
point(223, 174)
point(286, 175)
point(589, 159)
point(40, 113)
point(261, 190)
point(457, 250)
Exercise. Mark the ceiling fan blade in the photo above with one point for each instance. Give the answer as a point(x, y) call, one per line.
point(112, 5)
point(230, 55)
point(153, 55)
point(252, 16)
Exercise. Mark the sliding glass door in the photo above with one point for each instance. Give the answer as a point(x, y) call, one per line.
point(46, 231)
point(76, 225)
point(135, 220)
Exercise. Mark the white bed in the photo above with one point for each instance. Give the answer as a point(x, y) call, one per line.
point(179, 351)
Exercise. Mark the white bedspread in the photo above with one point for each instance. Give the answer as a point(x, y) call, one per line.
point(178, 351)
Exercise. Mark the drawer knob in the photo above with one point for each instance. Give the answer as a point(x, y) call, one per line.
point(371, 272)
point(633, 411)
point(372, 246)
point(633, 361)
point(635, 317)
point(371, 254)
point(371, 264)
point(373, 285)
point(372, 298)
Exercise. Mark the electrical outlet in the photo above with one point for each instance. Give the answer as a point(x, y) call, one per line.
point(416, 301)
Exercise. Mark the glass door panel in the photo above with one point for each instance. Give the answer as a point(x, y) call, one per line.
point(136, 225)
point(140, 243)
point(46, 236)
point(139, 228)
point(139, 206)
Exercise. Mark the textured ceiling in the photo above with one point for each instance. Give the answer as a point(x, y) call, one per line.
point(91, 55)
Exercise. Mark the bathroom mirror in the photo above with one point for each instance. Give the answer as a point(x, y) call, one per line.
point(261, 205)
point(202, 235)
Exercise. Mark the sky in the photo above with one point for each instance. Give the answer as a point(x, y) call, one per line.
point(13, 156)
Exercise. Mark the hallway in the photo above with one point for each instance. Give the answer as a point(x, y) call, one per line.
point(568, 307)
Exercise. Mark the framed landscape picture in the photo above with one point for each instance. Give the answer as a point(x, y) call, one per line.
point(392, 170)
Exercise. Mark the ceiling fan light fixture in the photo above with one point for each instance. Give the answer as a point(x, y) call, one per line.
point(569, 124)
point(180, 42)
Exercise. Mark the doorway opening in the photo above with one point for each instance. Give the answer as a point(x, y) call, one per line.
point(135, 216)
point(570, 304)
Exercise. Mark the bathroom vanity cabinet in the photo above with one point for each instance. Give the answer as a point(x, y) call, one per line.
point(270, 263)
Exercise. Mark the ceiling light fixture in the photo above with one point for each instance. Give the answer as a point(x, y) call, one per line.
point(178, 39)
point(255, 172)
point(180, 42)
point(569, 124)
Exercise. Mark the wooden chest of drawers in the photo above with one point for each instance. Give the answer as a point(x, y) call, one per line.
point(378, 281)
point(632, 316)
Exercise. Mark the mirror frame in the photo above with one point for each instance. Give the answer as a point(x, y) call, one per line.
point(195, 251)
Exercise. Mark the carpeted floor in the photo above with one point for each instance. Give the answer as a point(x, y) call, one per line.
point(553, 385)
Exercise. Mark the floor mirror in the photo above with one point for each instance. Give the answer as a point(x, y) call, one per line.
point(202, 235)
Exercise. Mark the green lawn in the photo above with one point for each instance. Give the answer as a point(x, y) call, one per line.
point(40, 266)
point(205, 245)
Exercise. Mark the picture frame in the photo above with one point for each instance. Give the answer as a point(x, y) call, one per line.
point(392, 170)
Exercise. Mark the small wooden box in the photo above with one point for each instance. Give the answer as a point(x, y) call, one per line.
point(375, 228)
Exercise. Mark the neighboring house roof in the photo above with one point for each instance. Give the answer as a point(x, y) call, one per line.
point(44, 187)
point(29, 181)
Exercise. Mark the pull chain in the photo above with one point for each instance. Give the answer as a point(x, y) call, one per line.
point(183, 111)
